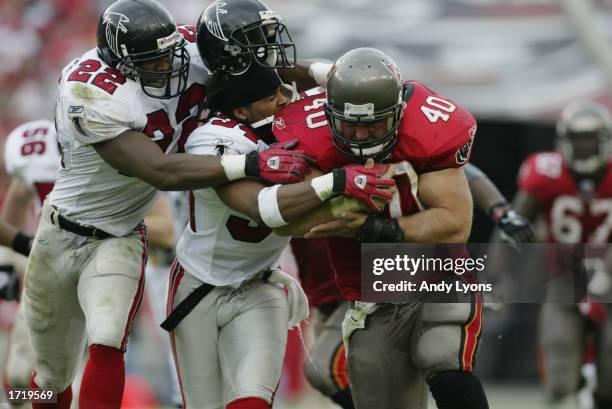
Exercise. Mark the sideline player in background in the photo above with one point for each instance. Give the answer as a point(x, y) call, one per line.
point(31, 157)
point(572, 188)
point(121, 111)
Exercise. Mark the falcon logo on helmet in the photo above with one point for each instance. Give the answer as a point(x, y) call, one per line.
point(214, 24)
point(115, 20)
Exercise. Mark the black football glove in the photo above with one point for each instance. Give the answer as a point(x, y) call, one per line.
point(9, 283)
point(514, 227)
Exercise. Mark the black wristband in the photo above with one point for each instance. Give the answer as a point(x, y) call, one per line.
point(251, 164)
point(339, 185)
point(21, 243)
point(380, 229)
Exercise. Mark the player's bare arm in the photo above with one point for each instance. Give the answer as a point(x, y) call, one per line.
point(488, 198)
point(134, 154)
point(484, 193)
point(527, 205)
point(297, 200)
point(306, 74)
point(293, 200)
point(446, 219)
point(331, 211)
point(17, 204)
point(13, 217)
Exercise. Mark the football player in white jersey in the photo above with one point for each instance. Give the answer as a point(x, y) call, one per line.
point(121, 111)
point(31, 158)
point(227, 308)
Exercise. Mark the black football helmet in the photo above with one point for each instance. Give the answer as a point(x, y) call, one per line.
point(364, 86)
point(583, 136)
point(233, 34)
point(139, 38)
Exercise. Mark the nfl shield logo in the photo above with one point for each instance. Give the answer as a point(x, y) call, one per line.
point(273, 162)
point(360, 181)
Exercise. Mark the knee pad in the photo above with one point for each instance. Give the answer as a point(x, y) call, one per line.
point(248, 403)
point(457, 390)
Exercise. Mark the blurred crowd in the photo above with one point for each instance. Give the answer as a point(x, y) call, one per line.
point(39, 37)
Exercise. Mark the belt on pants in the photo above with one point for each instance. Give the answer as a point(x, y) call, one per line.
point(72, 227)
point(184, 308)
point(188, 304)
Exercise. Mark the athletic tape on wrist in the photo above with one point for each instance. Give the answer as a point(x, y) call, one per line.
point(268, 207)
point(233, 165)
point(324, 186)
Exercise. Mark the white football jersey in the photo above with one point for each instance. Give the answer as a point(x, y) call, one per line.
point(96, 103)
point(219, 245)
point(32, 155)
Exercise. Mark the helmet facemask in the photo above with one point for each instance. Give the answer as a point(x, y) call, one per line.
point(167, 82)
point(267, 42)
point(580, 161)
point(376, 148)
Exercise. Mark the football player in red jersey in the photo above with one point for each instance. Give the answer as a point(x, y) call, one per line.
point(572, 188)
point(373, 114)
point(327, 370)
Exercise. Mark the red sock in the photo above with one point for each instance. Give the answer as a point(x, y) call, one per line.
point(63, 399)
point(248, 403)
point(103, 379)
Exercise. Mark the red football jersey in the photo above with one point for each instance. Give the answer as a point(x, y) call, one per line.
point(434, 134)
point(316, 274)
point(574, 213)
